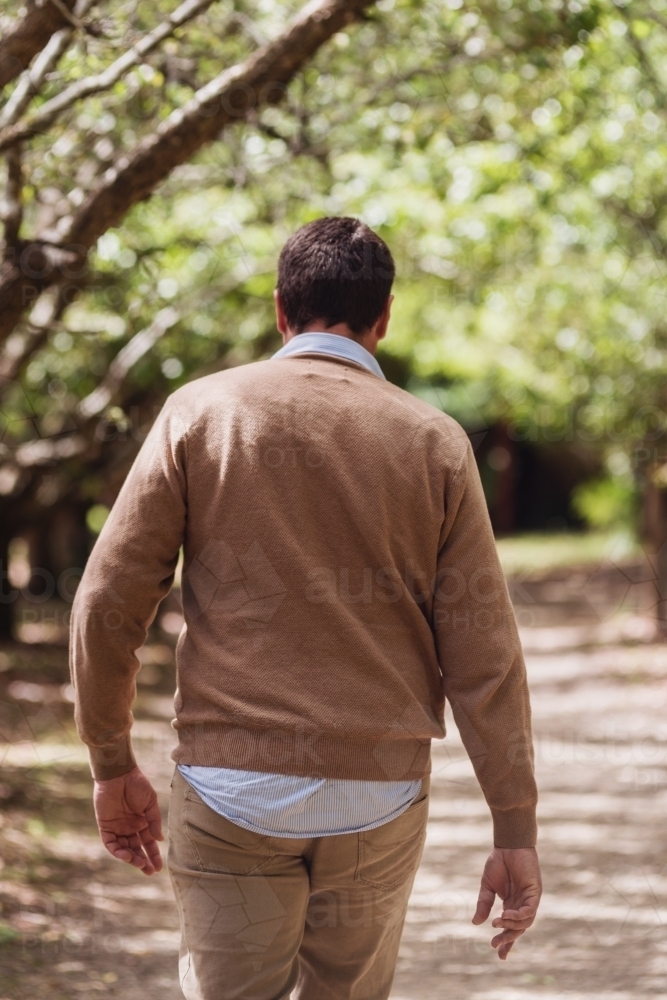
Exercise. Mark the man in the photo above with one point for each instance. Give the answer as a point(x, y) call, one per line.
point(340, 580)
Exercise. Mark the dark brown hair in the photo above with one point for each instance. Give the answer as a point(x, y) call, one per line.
point(336, 270)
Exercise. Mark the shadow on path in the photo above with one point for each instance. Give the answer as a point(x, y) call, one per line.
point(75, 923)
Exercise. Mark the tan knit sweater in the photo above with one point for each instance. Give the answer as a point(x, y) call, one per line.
point(340, 579)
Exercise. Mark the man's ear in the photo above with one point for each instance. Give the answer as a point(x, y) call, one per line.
point(281, 321)
point(383, 321)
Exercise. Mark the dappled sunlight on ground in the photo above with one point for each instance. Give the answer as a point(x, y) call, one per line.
point(75, 923)
point(599, 697)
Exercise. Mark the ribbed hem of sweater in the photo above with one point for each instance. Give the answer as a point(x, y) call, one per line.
point(310, 755)
point(514, 827)
point(113, 760)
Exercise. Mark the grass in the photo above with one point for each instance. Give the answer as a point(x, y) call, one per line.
point(7, 933)
point(540, 553)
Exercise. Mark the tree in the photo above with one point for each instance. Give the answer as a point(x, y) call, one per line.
point(53, 258)
point(419, 118)
point(57, 256)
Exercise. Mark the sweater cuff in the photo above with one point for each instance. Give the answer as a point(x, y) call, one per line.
point(113, 760)
point(514, 828)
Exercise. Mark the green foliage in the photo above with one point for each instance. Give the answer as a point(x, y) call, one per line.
point(96, 517)
point(7, 933)
point(512, 154)
point(605, 503)
point(542, 553)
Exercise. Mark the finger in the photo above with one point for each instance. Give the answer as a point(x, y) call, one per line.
point(121, 852)
point(139, 850)
point(507, 937)
point(152, 850)
point(518, 925)
point(505, 947)
point(154, 819)
point(154, 867)
point(526, 912)
point(504, 951)
point(148, 868)
point(505, 920)
point(148, 850)
point(136, 860)
point(510, 924)
point(485, 902)
point(153, 854)
point(144, 863)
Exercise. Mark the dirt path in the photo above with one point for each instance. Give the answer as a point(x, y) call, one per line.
point(76, 924)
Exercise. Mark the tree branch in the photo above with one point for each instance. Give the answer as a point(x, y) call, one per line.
point(644, 61)
point(31, 82)
point(49, 111)
point(262, 79)
point(128, 356)
point(71, 18)
point(12, 203)
point(29, 36)
point(42, 321)
point(48, 451)
point(258, 81)
point(33, 78)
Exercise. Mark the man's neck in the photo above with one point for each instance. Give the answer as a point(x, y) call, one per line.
point(340, 330)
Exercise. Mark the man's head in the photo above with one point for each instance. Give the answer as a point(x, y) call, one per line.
point(335, 274)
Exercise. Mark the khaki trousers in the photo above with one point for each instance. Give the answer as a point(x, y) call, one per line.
point(266, 918)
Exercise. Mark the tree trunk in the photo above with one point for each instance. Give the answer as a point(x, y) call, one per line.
point(655, 532)
point(6, 599)
point(232, 97)
point(29, 35)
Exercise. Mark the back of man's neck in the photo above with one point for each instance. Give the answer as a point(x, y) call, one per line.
point(340, 329)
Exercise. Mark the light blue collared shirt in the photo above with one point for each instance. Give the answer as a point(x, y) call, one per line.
point(332, 344)
point(285, 805)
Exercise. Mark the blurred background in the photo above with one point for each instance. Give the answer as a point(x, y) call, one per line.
point(513, 156)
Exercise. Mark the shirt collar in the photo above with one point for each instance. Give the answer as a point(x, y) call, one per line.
point(333, 344)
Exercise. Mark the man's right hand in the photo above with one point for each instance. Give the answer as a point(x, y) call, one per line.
point(128, 818)
point(514, 876)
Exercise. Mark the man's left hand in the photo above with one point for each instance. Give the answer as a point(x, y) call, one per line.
point(514, 876)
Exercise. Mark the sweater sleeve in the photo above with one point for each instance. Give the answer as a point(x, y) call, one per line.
point(130, 570)
point(480, 656)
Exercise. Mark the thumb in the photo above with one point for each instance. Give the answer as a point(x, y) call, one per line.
point(485, 903)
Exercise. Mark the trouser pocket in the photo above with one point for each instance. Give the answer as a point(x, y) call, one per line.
point(389, 854)
point(221, 846)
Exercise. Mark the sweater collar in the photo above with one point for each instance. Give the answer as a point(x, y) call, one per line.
point(332, 344)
